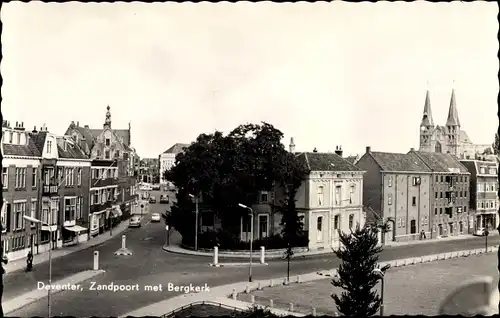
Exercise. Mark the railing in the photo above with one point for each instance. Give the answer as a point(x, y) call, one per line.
point(202, 302)
point(101, 206)
point(50, 189)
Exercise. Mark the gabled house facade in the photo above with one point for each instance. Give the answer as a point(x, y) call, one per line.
point(20, 174)
point(397, 187)
point(73, 167)
point(330, 198)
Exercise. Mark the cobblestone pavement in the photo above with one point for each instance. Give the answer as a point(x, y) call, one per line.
point(412, 290)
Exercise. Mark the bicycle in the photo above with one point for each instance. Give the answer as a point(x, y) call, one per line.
point(285, 255)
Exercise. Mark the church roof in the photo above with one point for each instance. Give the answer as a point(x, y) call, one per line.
point(453, 112)
point(427, 116)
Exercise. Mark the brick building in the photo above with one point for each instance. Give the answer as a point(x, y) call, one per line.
point(483, 189)
point(449, 193)
point(397, 187)
point(20, 173)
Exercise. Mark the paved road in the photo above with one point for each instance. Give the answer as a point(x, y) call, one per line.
point(150, 265)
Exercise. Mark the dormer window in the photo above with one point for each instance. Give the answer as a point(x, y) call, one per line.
point(108, 142)
point(18, 138)
point(49, 146)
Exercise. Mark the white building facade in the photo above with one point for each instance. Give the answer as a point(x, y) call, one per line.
point(167, 160)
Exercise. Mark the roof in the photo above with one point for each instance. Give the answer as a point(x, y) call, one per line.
point(316, 161)
point(177, 148)
point(453, 112)
point(352, 159)
point(72, 150)
point(399, 162)
point(464, 137)
point(85, 132)
point(440, 162)
point(124, 134)
point(427, 117)
point(34, 147)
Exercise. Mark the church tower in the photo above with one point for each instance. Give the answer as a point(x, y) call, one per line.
point(427, 127)
point(107, 122)
point(452, 133)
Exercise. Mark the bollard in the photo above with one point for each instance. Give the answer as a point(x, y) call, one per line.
point(247, 289)
point(216, 255)
point(96, 260)
point(271, 303)
point(123, 241)
point(285, 281)
point(262, 254)
point(271, 284)
point(235, 295)
point(298, 279)
point(252, 299)
point(259, 287)
point(291, 307)
point(314, 311)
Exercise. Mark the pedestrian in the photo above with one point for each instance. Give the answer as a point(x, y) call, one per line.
point(422, 235)
point(29, 262)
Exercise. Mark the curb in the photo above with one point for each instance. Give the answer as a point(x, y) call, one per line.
point(26, 299)
point(237, 264)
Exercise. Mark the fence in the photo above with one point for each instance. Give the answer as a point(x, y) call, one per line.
point(196, 303)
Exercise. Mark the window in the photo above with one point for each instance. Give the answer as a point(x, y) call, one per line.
point(389, 183)
point(442, 179)
point(403, 222)
point(18, 138)
point(117, 154)
point(389, 199)
point(49, 146)
point(351, 220)
point(264, 196)
point(319, 229)
point(79, 208)
point(413, 227)
point(11, 136)
point(5, 177)
point(465, 209)
point(487, 187)
point(60, 175)
point(79, 177)
point(336, 222)
point(94, 198)
point(108, 142)
point(33, 177)
point(437, 179)
point(414, 201)
point(465, 194)
point(69, 209)
point(99, 197)
point(320, 195)
point(263, 226)
point(98, 153)
point(436, 196)
point(493, 187)
point(460, 194)
point(351, 194)
point(465, 179)
point(19, 211)
point(33, 211)
point(435, 211)
point(106, 154)
point(20, 178)
point(441, 195)
point(416, 181)
point(338, 191)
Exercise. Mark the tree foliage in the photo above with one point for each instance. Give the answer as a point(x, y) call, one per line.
point(227, 170)
point(356, 276)
point(496, 145)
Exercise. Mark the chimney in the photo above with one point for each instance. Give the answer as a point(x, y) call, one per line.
point(22, 124)
point(368, 149)
point(292, 146)
point(72, 123)
point(44, 128)
point(77, 124)
point(17, 124)
point(86, 126)
point(315, 150)
point(412, 149)
point(34, 130)
point(339, 151)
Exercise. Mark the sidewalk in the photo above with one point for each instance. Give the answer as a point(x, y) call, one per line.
point(221, 293)
point(175, 247)
point(20, 264)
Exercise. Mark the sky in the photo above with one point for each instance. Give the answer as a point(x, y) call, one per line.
point(327, 74)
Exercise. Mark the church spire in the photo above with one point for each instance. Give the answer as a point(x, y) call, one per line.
point(427, 117)
point(452, 112)
point(107, 122)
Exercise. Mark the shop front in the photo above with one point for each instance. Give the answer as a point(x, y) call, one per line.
point(73, 235)
point(97, 220)
point(486, 221)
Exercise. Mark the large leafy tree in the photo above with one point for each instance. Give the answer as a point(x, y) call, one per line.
point(227, 170)
point(357, 274)
point(496, 145)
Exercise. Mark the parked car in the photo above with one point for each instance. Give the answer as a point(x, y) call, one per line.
point(155, 217)
point(135, 221)
point(164, 198)
point(156, 187)
point(152, 199)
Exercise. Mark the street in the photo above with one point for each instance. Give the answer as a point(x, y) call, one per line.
point(150, 265)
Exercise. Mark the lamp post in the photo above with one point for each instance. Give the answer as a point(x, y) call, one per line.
point(251, 239)
point(378, 272)
point(37, 221)
point(195, 222)
point(486, 233)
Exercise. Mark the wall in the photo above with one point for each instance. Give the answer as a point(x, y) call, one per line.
point(372, 185)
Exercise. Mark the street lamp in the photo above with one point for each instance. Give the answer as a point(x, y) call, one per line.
point(251, 239)
point(380, 274)
point(196, 222)
point(33, 220)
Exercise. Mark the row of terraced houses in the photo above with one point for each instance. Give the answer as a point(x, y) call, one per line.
point(78, 185)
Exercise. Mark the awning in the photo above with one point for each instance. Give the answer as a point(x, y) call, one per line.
point(52, 228)
point(75, 228)
point(117, 211)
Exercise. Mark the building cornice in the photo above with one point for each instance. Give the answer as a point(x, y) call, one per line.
point(21, 157)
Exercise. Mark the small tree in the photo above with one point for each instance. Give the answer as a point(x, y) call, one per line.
point(496, 145)
point(356, 276)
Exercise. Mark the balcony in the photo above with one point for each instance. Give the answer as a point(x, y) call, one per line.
point(102, 206)
point(49, 189)
point(98, 183)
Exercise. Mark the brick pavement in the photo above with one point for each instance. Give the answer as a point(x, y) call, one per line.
point(20, 264)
